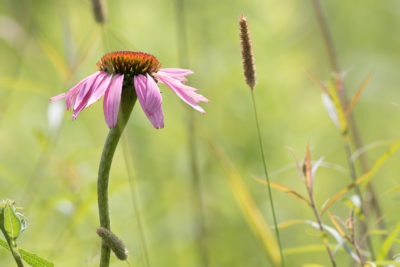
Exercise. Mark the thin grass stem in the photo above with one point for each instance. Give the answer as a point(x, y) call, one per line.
point(364, 227)
point(267, 176)
point(375, 205)
point(198, 211)
point(321, 228)
point(104, 38)
point(352, 122)
point(132, 182)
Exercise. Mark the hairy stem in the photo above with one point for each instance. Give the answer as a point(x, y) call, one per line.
point(267, 177)
point(128, 100)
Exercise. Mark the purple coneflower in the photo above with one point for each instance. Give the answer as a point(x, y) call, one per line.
point(136, 70)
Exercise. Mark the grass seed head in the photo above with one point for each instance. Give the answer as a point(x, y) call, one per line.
point(249, 66)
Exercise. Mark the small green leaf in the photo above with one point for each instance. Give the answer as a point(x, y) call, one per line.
point(383, 263)
point(34, 260)
point(4, 244)
point(29, 258)
point(364, 178)
point(388, 243)
point(339, 109)
point(304, 249)
point(12, 223)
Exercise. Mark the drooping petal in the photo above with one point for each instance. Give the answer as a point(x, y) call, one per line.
point(150, 99)
point(178, 74)
point(100, 89)
point(85, 93)
point(112, 100)
point(186, 93)
point(74, 91)
point(176, 71)
point(85, 90)
point(58, 97)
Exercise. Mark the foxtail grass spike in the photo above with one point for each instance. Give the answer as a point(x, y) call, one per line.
point(99, 11)
point(249, 66)
point(113, 242)
point(249, 70)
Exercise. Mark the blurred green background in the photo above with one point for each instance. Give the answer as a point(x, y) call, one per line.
point(48, 164)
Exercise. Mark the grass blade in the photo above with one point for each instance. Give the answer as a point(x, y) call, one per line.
point(364, 178)
point(249, 208)
point(285, 189)
point(357, 95)
point(339, 109)
point(388, 243)
point(337, 226)
point(55, 58)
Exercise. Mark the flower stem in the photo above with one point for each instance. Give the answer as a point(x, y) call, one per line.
point(267, 177)
point(128, 100)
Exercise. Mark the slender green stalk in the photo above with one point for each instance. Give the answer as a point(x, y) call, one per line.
point(364, 227)
point(132, 182)
point(353, 239)
point(321, 227)
point(198, 207)
point(352, 122)
point(128, 100)
point(271, 200)
point(13, 248)
point(353, 126)
point(104, 38)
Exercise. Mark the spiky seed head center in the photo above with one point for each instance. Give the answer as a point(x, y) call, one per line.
point(129, 63)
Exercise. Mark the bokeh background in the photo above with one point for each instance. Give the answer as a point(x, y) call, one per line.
point(48, 163)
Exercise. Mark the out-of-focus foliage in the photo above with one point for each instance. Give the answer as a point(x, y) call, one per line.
point(48, 163)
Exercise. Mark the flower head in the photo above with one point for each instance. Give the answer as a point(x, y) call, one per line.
point(132, 71)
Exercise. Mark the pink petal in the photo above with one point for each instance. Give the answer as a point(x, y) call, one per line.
point(186, 93)
point(178, 74)
point(150, 99)
point(99, 90)
point(112, 99)
point(85, 93)
point(58, 97)
point(73, 93)
point(176, 71)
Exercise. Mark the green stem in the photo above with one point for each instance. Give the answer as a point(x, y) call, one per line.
point(198, 205)
point(321, 228)
point(135, 198)
point(14, 249)
point(267, 177)
point(363, 224)
point(356, 135)
point(128, 99)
